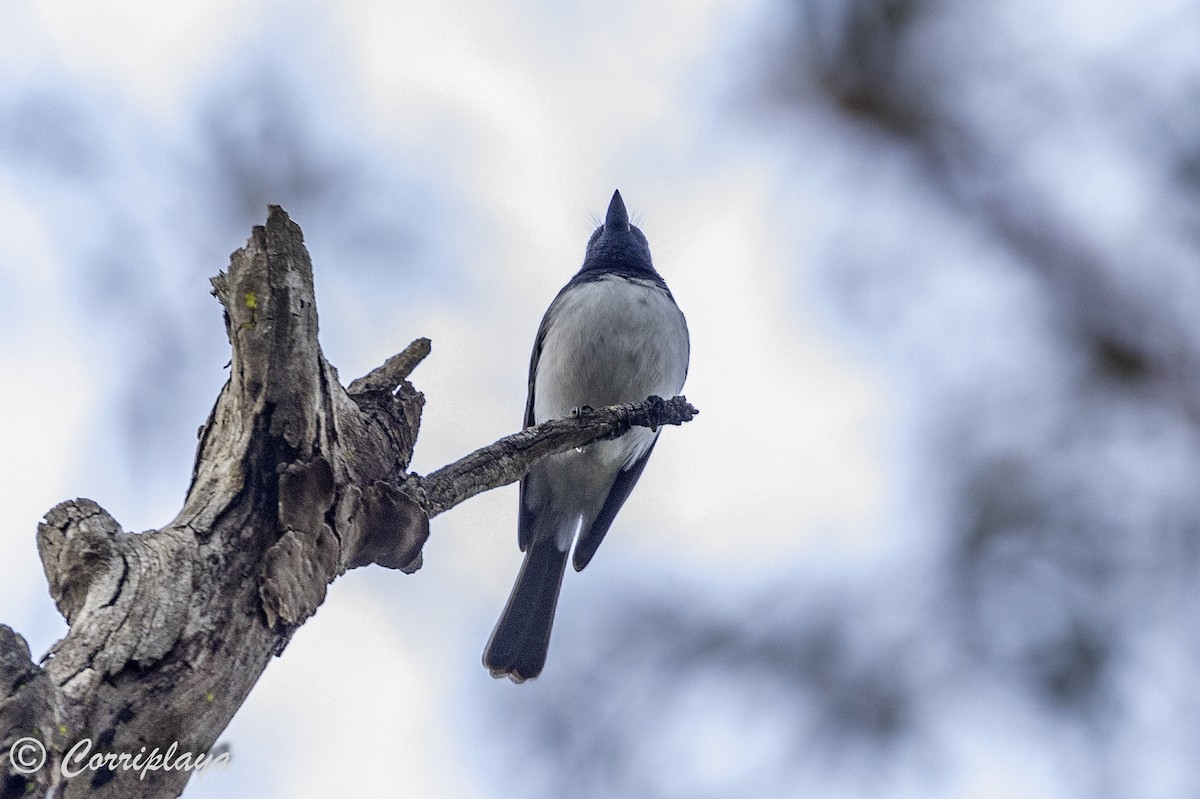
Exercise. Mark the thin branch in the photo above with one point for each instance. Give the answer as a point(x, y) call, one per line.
point(507, 460)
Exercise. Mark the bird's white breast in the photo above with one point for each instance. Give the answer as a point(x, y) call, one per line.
point(610, 341)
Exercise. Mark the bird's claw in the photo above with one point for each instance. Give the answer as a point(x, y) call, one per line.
point(655, 405)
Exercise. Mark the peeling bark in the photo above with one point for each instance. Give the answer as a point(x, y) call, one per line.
point(296, 481)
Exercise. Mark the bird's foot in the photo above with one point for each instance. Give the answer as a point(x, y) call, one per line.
point(579, 411)
point(656, 406)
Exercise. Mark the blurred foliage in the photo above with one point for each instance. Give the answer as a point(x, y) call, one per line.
point(1016, 246)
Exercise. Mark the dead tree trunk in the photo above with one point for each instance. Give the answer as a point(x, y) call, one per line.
point(296, 480)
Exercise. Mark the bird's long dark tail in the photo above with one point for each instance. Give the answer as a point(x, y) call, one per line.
point(517, 648)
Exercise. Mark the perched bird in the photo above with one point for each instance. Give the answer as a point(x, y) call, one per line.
point(613, 335)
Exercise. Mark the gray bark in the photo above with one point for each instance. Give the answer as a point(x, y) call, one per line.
point(296, 480)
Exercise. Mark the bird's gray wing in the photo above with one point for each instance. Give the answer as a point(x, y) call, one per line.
point(524, 517)
point(589, 540)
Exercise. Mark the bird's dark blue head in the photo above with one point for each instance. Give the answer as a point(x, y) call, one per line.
point(617, 246)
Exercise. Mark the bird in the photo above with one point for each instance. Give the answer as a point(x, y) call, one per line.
point(612, 335)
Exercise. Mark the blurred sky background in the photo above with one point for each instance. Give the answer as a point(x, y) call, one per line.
point(937, 530)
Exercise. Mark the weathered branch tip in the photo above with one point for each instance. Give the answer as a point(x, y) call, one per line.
point(394, 371)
